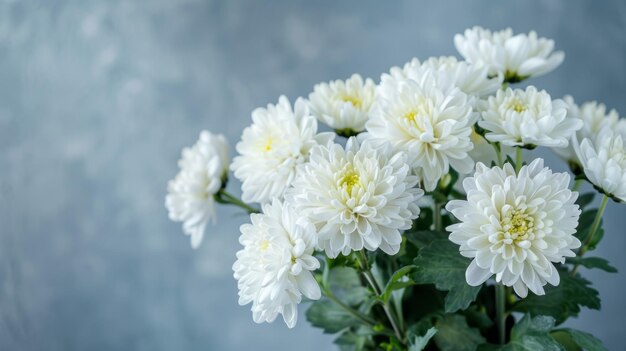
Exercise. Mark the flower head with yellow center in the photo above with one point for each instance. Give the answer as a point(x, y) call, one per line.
point(274, 268)
point(514, 226)
point(358, 197)
point(343, 105)
point(270, 150)
point(526, 118)
point(189, 197)
point(431, 123)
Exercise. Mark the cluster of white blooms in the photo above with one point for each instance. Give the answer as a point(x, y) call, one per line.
point(516, 225)
point(202, 173)
point(408, 134)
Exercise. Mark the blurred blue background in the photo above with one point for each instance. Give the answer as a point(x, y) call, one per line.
point(97, 98)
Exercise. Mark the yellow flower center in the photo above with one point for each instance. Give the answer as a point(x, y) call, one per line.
point(354, 100)
point(264, 245)
point(517, 106)
point(410, 116)
point(517, 226)
point(268, 145)
point(349, 180)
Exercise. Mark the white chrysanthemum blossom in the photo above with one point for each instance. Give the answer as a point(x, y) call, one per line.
point(594, 117)
point(515, 57)
point(603, 160)
point(526, 118)
point(274, 268)
point(515, 226)
point(358, 197)
point(433, 126)
point(449, 72)
point(203, 169)
point(343, 105)
point(270, 150)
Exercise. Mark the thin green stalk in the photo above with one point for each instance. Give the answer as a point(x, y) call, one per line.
point(577, 184)
point(225, 198)
point(437, 216)
point(360, 316)
point(501, 312)
point(595, 225)
point(519, 159)
point(592, 232)
point(498, 149)
point(367, 273)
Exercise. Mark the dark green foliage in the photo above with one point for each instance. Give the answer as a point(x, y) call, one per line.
point(562, 301)
point(593, 262)
point(441, 264)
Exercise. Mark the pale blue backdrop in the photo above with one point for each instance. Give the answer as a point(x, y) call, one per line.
point(98, 97)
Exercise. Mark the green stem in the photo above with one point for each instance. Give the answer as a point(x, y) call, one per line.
point(501, 312)
point(519, 159)
point(594, 228)
point(437, 216)
point(577, 184)
point(498, 149)
point(596, 223)
point(225, 198)
point(367, 273)
point(363, 318)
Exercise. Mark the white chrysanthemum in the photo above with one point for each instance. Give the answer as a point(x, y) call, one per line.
point(594, 117)
point(516, 57)
point(270, 150)
point(515, 226)
point(273, 270)
point(449, 72)
point(343, 105)
point(603, 159)
point(203, 169)
point(526, 118)
point(431, 125)
point(358, 197)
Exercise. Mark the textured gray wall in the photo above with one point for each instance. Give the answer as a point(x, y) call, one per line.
point(98, 97)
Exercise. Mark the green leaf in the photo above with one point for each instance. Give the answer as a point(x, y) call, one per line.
point(593, 262)
point(331, 318)
point(441, 264)
point(585, 200)
point(394, 282)
point(562, 301)
point(453, 334)
point(585, 340)
point(532, 334)
point(477, 317)
point(351, 341)
point(596, 238)
point(345, 282)
point(420, 342)
point(584, 224)
point(424, 221)
point(423, 238)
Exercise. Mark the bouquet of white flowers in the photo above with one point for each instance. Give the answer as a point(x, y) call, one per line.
point(417, 224)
